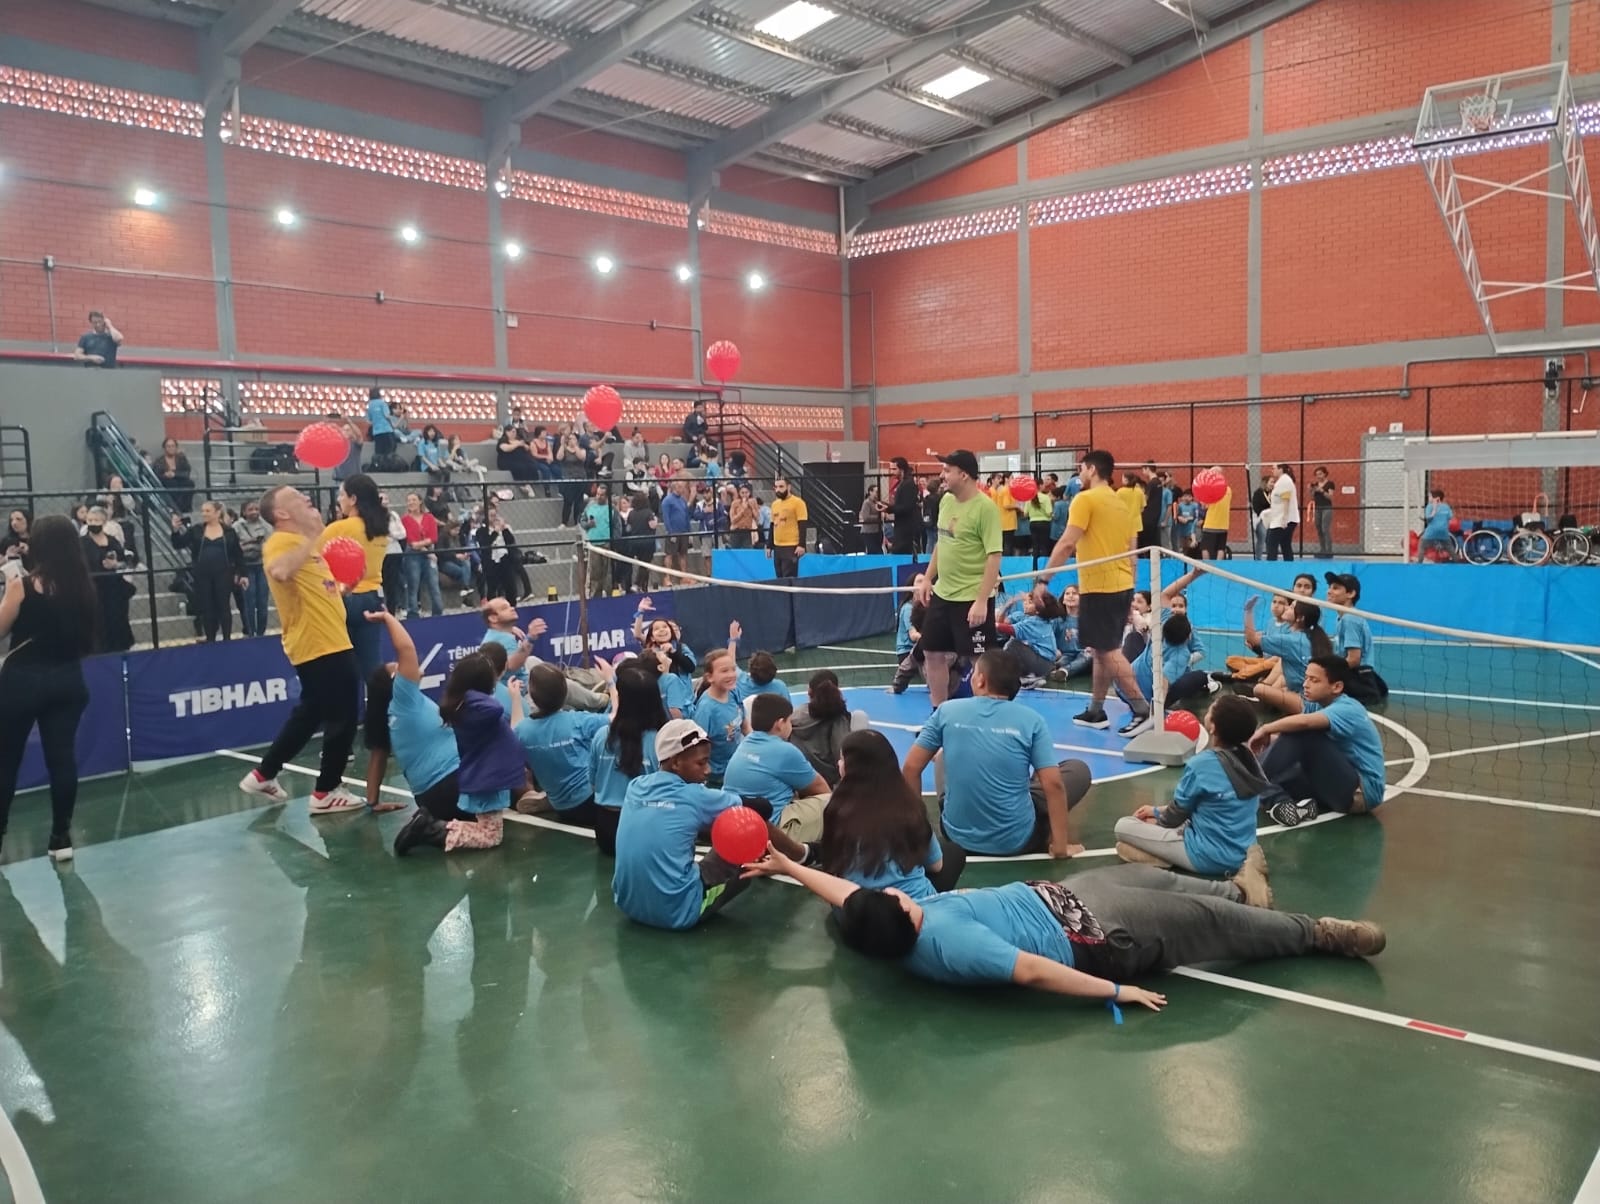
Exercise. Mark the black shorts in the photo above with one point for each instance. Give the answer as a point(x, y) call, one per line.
point(1101, 618)
point(1213, 541)
point(945, 629)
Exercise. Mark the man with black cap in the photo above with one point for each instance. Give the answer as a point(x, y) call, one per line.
point(905, 509)
point(963, 570)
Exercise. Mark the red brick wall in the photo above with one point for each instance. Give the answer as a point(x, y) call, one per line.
point(364, 91)
point(779, 190)
point(96, 30)
point(997, 170)
point(791, 331)
point(594, 146)
point(1125, 426)
point(149, 269)
point(948, 425)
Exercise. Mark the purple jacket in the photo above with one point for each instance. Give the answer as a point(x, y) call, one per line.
point(491, 756)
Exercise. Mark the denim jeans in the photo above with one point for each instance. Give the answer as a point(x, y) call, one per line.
point(1310, 765)
point(363, 635)
point(255, 600)
point(420, 571)
point(1324, 517)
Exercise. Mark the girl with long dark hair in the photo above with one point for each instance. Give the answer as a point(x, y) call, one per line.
point(875, 830)
point(365, 520)
point(821, 723)
point(49, 611)
point(627, 748)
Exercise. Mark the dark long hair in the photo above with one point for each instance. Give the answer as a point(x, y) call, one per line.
point(471, 672)
point(363, 491)
point(55, 557)
point(874, 820)
point(639, 710)
point(824, 700)
point(1309, 617)
point(375, 726)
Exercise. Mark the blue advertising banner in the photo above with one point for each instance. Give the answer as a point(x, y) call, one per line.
point(102, 747)
point(183, 702)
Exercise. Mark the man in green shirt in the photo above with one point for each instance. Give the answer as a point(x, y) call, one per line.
point(958, 589)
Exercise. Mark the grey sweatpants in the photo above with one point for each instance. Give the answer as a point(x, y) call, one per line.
point(1156, 919)
point(1165, 843)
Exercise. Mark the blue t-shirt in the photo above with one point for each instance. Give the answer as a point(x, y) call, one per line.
point(763, 766)
point(1294, 647)
point(991, 748)
point(674, 515)
point(656, 880)
point(677, 695)
point(597, 522)
point(1073, 487)
point(975, 936)
point(1037, 634)
point(425, 747)
point(1353, 632)
point(557, 749)
point(1357, 737)
point(1194, 644)
point(1188, 514)
point(1066, 628)
point(1436, 520)
point(913, 882)
point(378, 417)
point(1058, 517)
point(512, 645)
point(610, 785)
point(724, 723)
point(1221, 824)
point(1174, 664)
point(430, 453)
point(749, 689)
point(902, 631)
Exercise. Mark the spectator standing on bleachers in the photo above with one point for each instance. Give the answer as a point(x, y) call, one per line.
point(393, 579)
point(121, 515)
point(597, 522)
point(905, 510)
point(218, 565)
point(177, 478)
point(574, 463)
point(253, 533)
point(352, 436)
point(14, 543)
point(743, 516)
point(695, 425)
point(544, 458)
point(676, 526)
point(107, 558)
point(421, 569)
point(789, 520)
point(97, 347)
point(380, 424)
point(635, 448)
point(513, 456)
point(497, 546)
point(764, 524)
point(640, 534)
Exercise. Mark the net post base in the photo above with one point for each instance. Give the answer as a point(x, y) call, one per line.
point(1159, 748)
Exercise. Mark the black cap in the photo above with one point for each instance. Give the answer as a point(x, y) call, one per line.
point(964, 460)
point(1349, 581)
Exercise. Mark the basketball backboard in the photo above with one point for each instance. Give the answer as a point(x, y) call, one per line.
point(1528, 102)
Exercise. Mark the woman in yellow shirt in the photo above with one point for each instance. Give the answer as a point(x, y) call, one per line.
point(365, 520)
point(1132, 495)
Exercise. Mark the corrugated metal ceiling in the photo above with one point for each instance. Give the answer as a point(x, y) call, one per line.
point(711, 68)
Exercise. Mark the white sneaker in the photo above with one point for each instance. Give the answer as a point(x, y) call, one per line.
point(337, 801)
point(265, 787)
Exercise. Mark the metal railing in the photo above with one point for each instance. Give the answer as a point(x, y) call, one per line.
point(16, 459)
point(832, 520)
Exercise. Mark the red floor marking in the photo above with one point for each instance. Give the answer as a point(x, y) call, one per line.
point(1438, 1029)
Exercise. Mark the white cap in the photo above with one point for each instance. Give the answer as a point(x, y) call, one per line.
point(677, 736)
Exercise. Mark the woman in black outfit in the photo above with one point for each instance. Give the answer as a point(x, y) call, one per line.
point(512, 456)
point(218, 567)
point(172, 466)
point(48, 610)
point(14, 543)
point(106, 558)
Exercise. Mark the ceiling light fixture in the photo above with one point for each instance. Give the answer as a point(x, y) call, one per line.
point(144, 197)
point(794, 21)
point(409, 233)
point(953, 83)
point(604, 264)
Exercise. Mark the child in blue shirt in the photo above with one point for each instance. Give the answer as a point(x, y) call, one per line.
point(1353, 640)
point(1294, 646)
point(555, 744)
point(1034, 640)
point(766, 765)
point(719, 711)
point(1185, 516)
point(1210, 825)
point(1182, 681)
point(626, 748)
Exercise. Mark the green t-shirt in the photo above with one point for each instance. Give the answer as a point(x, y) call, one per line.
point(969, 533)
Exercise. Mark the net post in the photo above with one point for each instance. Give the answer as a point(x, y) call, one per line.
point(1158, 678)
point(1156, 745)
point(583, 602)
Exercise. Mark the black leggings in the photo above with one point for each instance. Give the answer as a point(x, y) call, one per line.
point(329, 691)
point(1280, 542)
point(54, 697)
point(213, 600)
point(439, 800)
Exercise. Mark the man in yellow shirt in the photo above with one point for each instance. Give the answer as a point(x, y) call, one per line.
point(789, 520)
point(317, 644)
point(1214, 531)
point(1100, 524)
point(1000, 494)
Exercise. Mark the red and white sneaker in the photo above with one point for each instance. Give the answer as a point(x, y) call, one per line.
point(254, 783)
point(337, 801)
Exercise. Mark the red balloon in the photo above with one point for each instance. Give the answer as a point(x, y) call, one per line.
point(722, 358)
point(322, 445)
point(602, 405)
point(1024, 488)
point(1209, 486)
point(1184, 723)
point(739, 836)
point(346, 560)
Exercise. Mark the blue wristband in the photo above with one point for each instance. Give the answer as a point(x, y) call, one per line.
point(1111, 1004)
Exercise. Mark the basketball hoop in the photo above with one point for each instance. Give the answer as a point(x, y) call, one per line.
point(1478, 113)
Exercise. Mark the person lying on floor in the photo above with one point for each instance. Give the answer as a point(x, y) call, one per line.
point(656, 881)
point(1005, 791)
point(1210, 826)
point(1084, 937)
point(1325, 755)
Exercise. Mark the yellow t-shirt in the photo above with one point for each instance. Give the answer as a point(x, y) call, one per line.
point(309, 604)
point(1217, 513)
point(787, 515)
point(1107, 528)
point(376, 549)
point(1008, 513)
point(1133, 498)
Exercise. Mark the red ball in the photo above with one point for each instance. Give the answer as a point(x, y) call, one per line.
point(1184, 723)
point(602, 405)
point(722, 360)
point(346, 560)
point(739, 836)
point(1209, 486)
point(1024, 488)
point(322, 445)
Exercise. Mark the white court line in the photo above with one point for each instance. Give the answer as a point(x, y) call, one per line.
point(1582, 660)
point(1425, 1027)
point(1590, 812)
point(1589, 1189)
point(14, 1161)
point(847, 648)
point(1467, 752)
point(1510, 702)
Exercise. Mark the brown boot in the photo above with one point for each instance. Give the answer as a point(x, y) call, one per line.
point(1137, 856)
point(1348, 938)
point(1252, 879)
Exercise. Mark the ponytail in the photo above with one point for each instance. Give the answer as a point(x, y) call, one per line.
point(1308, 617)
